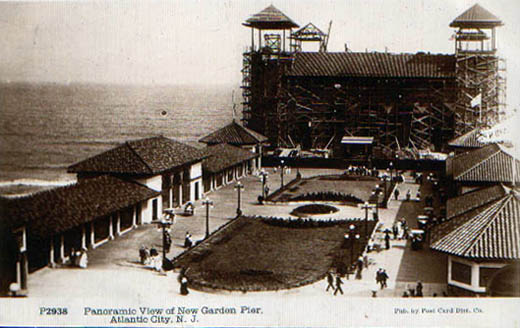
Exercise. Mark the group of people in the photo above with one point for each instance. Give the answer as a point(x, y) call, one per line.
point(400, 229)
point(361, 170)
point(409, 195)
point(334, 283)
point(79, 258)
point(150, 258)
point(415, 292)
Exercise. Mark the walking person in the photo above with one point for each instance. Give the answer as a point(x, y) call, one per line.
point(396, 194)
point(387, 241)
point(187, 240)
point(330, 281)
point(406, 233)
point(339, 282)
point(395, 230)
point(378, 277)
point(384, 278)
point(184, 286)
point(167, 240)
point(359, 265)
point(419, 289)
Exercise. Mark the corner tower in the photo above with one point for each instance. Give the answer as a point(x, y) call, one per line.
point(481, 91)
point(264, 63)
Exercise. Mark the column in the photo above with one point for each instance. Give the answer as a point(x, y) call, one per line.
point(180, 194)
point(25, 269)
point(92, 235)
point(51, 254)
point(134, 214)
point(475, 275)
point(118, 224)
point(111, 228)
point(62, 248)
point(19, 269)
point(260, 157)
point(83, 237)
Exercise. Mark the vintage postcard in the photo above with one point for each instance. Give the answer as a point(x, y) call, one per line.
point(260, 163)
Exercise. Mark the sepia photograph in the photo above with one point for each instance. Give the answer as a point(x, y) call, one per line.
point(260, 163)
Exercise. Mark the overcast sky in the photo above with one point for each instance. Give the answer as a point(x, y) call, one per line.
point(187, 42)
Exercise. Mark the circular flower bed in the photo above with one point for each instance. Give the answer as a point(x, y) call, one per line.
point(314, 209)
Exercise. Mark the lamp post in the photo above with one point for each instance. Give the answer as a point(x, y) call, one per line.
point(239, 186)
point(375, 198)
point(351, 238)
point(366, 206)
point(167, 219)
point(282, 168)
point(385, 179)
point(264, 175)
point(391, 171)
point(207, 202)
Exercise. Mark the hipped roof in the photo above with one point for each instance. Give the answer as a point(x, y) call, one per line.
point(270, 18)
point(493, 234)
point(234, 134)
point(473, 200)
point(223, 156)
point(372, 64)
point(467, 140)
point(57, 210)
point(144, 156)
point(492, 163)
point(476, 17)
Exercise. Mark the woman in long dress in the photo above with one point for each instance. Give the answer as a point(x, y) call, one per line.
point(83, 260)
point(184, 286)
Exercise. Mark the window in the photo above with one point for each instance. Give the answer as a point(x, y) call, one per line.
point(485, 275)
point(155, 210)
point(461, 272)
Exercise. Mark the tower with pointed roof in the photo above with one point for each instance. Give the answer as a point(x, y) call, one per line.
point(478, 70)
point(264, 62)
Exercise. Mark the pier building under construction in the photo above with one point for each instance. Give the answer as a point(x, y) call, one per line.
point(389, 102)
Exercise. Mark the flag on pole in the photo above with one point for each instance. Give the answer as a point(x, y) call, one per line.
point(476, 101)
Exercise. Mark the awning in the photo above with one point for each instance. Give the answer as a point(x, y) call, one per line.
point(357, 140)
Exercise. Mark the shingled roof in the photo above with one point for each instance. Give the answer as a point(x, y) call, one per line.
point(145, 156)
point(223, 156)
point(492, 163)
point(234, 134)
point(374, 64)
point(476, 17)
point(467, 140)
point(57, 210)
point(270, 18)
point(492, 234)
point(472, 200)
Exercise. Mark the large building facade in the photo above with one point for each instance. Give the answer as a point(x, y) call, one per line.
point(414, 101)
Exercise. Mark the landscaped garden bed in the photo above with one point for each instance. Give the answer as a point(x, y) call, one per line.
point(255, 254)
point(345, 189)
point(314, 209)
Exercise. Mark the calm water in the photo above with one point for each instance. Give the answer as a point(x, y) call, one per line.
point(47, 127)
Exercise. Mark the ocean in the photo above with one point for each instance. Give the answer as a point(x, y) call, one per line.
point(44, 128)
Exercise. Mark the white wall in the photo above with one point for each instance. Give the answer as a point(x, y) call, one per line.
point(147, 207)
point(154, 182)
point(192, 189)
point(475, 273)
point(196, 170)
